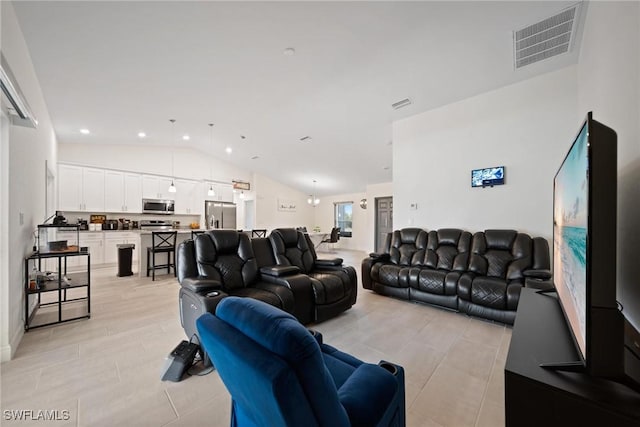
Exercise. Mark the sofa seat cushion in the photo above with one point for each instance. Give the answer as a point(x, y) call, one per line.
point(393, 275)
point(489, 292)
point(438, 282)
point(276, 295)
point(327, 287)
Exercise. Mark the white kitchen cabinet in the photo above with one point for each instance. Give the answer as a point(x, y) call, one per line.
point(113, 239)
point(95, 242)
point(188, 198)
point(69, 188)
point(123, 192)
point(156, 187)
point(80, 189)
point(223, 193)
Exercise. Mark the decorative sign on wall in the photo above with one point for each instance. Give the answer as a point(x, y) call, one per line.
point(241, 185)
point(286, 205)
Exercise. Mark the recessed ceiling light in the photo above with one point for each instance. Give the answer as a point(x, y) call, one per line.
point(228, 150)
point(141, 135)
point(255, 157)
point(186, 137)
point(289, 51)
point(306, 139)
point(85, 131)
point(386, 168)
point(243, 137)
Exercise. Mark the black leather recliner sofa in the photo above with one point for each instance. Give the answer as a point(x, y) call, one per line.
point(334, 285)
point(480, 275)
point(220, 263)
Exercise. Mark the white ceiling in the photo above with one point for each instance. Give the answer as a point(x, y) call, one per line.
point(117, 68)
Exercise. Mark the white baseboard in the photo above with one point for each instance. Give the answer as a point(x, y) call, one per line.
point(7, 351)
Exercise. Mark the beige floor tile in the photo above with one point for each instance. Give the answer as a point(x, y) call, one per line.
point(215, 412)
point(472, 358)
point(495, 387)
point(451, 397)
point(491, 415)
point(485, 333)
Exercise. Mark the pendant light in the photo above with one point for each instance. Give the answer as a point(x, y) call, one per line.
point(211, 192)
point(313, 200)
point(172, 187)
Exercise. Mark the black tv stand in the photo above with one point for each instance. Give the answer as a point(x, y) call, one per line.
point(536, 396)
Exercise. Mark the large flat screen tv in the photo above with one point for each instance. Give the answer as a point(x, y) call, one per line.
point(584, 250)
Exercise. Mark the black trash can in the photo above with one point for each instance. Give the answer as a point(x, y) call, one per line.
point(125, 254)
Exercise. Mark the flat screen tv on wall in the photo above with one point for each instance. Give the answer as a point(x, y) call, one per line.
point(584, 251)
point(487, 177)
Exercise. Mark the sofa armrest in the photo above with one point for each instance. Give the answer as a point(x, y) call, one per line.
point(279, 270)
point(300, 285)
point(200, 284)
point(367, 393)
point(380, 256)
point(329, 262)
point(542, 274)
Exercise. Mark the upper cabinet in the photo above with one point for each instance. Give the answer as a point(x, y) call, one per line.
point(123, 192)
point(188, 197)
point(156, 187)
point(223, 192)
point(80, 188)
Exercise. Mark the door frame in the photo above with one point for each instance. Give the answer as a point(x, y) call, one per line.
point(376, 225)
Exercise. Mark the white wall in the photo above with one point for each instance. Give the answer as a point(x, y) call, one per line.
point(526, 127)
point(609, 85)
point(267, 193)
point(22, 190)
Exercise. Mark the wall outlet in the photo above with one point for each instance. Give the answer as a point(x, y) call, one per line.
point(413, 206)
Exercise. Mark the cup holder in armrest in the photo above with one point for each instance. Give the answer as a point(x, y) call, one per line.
point(393, 369)
point(212, 294)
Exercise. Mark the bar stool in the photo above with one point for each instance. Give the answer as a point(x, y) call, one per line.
point(162, 242)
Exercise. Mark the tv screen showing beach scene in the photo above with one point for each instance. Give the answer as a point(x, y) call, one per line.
point(487, 176)
point(570, 211)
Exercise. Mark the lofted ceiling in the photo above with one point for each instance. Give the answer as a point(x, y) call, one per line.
point(118, 68)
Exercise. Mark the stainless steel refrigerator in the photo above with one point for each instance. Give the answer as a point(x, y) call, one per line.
point(220, 215)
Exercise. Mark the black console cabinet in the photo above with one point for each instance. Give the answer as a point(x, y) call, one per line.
point(535, 396)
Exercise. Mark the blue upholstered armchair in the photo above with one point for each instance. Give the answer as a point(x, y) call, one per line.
point(280, 374)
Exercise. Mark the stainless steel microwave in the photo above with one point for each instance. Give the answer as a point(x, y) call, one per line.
point(158, 207)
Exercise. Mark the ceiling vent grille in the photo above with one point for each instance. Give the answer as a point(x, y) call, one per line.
point(400, 104)
point(305, 139)
point(549, 37)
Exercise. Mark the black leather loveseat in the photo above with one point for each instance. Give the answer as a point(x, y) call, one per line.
point(480, 274)
point(220, 263)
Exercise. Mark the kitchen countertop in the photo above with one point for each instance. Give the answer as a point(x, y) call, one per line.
point(141, 231)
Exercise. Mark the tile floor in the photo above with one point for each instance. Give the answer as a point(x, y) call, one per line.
point(105, 371)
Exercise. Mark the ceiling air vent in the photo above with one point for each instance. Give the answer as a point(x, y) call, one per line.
point(305, 139)
point(549, 37)
point(401, 103)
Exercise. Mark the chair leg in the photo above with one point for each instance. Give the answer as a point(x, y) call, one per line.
point(148, 260)
point(153, 273)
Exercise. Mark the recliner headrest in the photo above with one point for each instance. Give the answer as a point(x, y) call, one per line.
point(449, 236)
point(409, 235)
point(289, 236)
point(226, 241)
point(500, 239)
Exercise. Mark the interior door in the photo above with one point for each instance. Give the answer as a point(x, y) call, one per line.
point(384, 220)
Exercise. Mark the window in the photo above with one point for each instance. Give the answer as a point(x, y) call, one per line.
point(343, 217)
